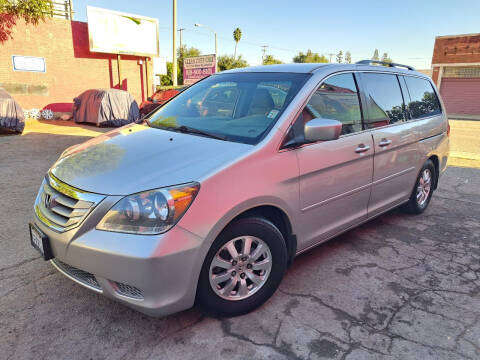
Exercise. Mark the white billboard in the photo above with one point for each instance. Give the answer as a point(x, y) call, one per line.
point(115, 32)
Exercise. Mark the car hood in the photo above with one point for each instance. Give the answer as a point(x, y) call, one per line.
point(137, 158)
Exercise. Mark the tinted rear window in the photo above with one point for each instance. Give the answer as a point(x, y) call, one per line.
point(384, 99)
point(423, 101)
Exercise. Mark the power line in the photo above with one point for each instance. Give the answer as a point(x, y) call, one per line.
point(244, 42)
point(296, 51)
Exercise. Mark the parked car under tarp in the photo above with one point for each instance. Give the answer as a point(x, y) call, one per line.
point(105, 107)
point(11, 114)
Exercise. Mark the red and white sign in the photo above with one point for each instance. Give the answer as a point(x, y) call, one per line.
point(197, 67)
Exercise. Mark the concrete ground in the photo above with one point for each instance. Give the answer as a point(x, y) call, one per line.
point(398, 287)
point(465, 143)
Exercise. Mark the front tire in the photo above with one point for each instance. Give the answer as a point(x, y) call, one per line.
point(423, 190)
point(243, 268)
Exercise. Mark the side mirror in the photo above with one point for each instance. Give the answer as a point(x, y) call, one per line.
point(322, 130)
point(149, 99)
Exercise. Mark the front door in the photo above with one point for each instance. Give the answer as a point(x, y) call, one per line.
point(336, 175)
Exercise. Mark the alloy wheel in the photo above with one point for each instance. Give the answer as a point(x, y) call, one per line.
point(424, 187)
point(240, 268)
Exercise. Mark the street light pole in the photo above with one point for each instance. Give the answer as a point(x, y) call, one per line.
point(216, 44)
point(174, 62)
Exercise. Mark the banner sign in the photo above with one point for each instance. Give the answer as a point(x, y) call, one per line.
point(197, 67)
point(28, 63)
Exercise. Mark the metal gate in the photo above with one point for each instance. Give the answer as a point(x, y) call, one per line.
point(461, 96)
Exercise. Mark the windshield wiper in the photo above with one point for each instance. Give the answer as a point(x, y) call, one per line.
point(187, 130)
point(190, 130)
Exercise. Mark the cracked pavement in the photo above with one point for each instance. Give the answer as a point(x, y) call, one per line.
point(397, 287)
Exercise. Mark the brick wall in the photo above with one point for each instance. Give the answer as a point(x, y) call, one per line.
point(71, 67)
point(457, 49)
point(435, 74)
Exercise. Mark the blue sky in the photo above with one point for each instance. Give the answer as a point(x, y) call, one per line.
point(404, 29)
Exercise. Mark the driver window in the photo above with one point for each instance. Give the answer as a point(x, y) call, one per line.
point(336, 98)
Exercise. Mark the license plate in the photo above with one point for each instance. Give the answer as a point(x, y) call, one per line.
point(40, 242)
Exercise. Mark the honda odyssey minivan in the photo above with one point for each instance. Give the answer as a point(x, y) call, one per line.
point(211, 198)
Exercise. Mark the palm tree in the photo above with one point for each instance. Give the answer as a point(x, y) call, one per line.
point(237, 35)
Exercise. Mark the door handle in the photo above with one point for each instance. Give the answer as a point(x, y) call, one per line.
point(362, 148)
point(384, 142)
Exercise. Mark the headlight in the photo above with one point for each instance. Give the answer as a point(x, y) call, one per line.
point(150, 212)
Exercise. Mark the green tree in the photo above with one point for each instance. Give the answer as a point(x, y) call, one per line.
point(375, 56)
point(32, 11)
point(270, 60)
point(182, 53)
point(237, 35)
point(227, 62)
point(340, 56)
point(385, 58)
point(309, 57)
point(166, 80)
point(348, 57)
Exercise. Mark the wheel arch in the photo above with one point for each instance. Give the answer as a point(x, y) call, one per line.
point(436, 163)
point(277, 217)
point(270, 210)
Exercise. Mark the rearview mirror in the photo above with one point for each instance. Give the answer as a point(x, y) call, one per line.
point(322, 129)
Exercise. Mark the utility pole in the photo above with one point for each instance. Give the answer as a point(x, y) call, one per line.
point(264, 51)
point(174, 61)
point(330, 54)
point(216, 53)
point(181, 45)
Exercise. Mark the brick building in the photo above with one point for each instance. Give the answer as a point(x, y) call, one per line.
point(456, 71)
point(70, 67)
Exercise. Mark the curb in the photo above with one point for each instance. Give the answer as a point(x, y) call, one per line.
point(464, 155)
point(464, 118)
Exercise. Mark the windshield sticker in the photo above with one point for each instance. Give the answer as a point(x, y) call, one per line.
point(272, 114)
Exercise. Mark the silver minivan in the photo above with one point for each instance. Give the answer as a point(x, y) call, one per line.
point(209, 199)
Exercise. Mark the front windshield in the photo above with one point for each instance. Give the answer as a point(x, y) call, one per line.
point(239, 107)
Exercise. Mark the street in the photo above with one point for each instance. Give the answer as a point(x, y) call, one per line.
point(397, 287)
point(465, 143)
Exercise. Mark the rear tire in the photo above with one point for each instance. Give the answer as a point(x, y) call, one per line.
point(243, 268)
point(423, 189)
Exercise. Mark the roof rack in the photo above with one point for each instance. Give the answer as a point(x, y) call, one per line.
point(384, 63)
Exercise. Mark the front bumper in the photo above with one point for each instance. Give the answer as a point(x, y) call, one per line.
point(154, 274)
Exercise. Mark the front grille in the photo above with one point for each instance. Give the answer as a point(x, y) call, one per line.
point(62, 207)
point(128, 290)
point(80, 275)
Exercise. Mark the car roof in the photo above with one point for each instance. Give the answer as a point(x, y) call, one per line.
point(291, 68)
point(314, 67)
